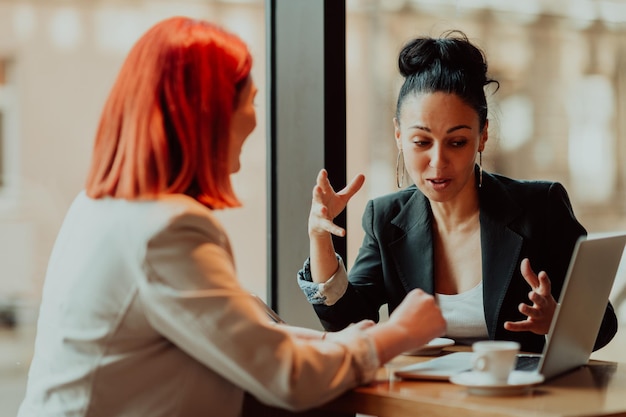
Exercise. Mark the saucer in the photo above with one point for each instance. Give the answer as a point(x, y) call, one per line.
point(431, 348)
point(519, 382)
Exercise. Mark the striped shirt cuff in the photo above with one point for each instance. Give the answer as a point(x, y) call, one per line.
point(327, 293)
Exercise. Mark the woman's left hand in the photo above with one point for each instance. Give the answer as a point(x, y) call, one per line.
point(539, 314)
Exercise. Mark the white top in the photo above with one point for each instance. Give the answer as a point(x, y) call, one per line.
point(142, 315)
point(464, 314)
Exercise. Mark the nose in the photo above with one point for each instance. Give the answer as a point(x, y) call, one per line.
point(438, 157)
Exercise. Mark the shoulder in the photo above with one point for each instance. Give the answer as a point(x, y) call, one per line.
point(520, 184)
point(505, 199)
point(181, 213)
point(141, 217)
point(402, 209)
point(395, 202)
point(182, 208)
point(398, 198)
point(522, 190)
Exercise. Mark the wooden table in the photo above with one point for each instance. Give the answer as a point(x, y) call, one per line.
point(597, 389)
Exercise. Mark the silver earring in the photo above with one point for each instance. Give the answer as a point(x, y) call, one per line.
point(399, 177)
point(480, 169)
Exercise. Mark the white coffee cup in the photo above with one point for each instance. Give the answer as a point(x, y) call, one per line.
point(493, 360)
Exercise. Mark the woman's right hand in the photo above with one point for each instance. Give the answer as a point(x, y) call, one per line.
point(328, 204)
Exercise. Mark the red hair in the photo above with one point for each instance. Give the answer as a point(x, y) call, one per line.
point(165, 128)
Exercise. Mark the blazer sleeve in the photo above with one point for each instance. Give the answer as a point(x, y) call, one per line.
point(192, 297)
point(563, 231)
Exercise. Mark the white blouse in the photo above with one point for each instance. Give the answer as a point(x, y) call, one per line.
point(464, 314)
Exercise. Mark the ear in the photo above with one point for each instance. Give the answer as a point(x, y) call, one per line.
point(396, 133)
point(483, 137)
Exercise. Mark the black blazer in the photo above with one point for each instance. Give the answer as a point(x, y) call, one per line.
point(518, 219)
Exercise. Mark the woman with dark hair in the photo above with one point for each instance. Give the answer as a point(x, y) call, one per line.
point(142, 313)
point(466, 236)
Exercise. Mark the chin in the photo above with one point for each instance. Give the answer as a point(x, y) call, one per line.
point(438, 197)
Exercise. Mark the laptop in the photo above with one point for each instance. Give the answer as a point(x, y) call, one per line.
point(577, 318)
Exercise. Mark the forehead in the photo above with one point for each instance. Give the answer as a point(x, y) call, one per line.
point(437, 108)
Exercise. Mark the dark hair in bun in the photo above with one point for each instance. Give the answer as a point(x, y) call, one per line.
point(449, 64)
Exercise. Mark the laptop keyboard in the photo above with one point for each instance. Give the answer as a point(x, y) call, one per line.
point(527, 362)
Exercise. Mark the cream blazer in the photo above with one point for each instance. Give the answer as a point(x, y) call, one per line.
point(142, 315)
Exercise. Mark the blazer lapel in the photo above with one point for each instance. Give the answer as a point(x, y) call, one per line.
point(501, 246)
point(412, 252)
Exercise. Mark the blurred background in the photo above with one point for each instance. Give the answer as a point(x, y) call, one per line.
point(559, 114)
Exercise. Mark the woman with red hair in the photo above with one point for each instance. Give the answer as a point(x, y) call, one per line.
point(142, 313)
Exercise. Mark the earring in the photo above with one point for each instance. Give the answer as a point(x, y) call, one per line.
point(480, 169)
point(399, 177)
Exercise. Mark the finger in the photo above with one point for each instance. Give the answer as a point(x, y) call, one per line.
point(528, 273)
point(322, 175)
point(330, 227)
point(365, 324)
point(320, 220)
point(545, 286)
point(518, 326)
point(318, 193)
point(318, 210)
point(538, 300)
point(354, 186)
point(530, 312)
point(337, 231)
point(323, 182)
point(418, 294)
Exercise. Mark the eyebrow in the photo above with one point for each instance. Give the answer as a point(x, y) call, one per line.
point(452, 129)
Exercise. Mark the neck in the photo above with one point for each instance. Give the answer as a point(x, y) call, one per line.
point(458, 215)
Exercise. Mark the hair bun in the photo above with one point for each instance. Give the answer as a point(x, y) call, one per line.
point(450, 64)
point(451, 53)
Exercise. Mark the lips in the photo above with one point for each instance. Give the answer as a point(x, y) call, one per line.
point(439, 183)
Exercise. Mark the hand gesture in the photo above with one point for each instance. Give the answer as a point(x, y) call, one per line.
point(420, 317)
point(327, 204)
point(416, 321)
point(539, 314)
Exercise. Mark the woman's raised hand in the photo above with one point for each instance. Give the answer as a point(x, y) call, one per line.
point(328, 204)
point(539, 314)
